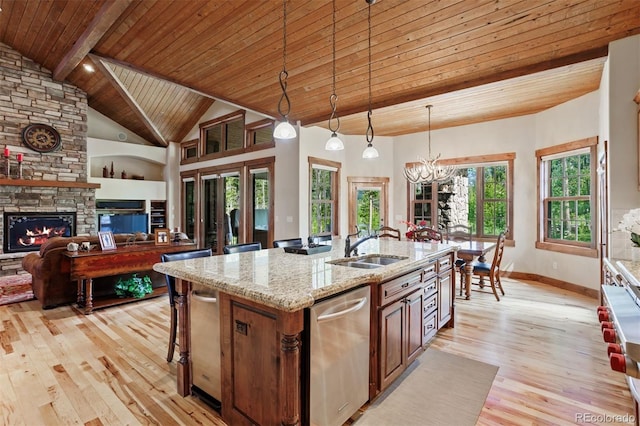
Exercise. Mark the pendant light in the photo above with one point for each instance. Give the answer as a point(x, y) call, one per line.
point(284, 130)
point(334, 143)
point(370, 151)
point(429, 170)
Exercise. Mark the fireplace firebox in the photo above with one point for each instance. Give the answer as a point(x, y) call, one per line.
point(28, 231)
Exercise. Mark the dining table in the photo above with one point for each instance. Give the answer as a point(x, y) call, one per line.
point(468, 251)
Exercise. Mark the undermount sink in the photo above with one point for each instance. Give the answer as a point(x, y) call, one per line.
point(381, 259)
point(357, 264)
point(369, 262)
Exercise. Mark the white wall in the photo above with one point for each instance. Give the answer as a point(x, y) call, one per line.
point(101, 127)
point(522, 135)
point(577, 119)
point(624, 82)
point(312, 142)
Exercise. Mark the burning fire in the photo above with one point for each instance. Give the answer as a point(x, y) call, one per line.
point(39, 236)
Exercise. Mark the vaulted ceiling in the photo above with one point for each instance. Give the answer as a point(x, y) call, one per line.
point(160, 64)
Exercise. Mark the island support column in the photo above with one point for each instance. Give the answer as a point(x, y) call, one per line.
point(291, 325)
point(183, 367)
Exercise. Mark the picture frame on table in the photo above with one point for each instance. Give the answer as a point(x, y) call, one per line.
point(107, 242)
point(162, 236)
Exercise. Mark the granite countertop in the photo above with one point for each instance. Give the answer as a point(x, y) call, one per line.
point(633, 269)
point(290, 282)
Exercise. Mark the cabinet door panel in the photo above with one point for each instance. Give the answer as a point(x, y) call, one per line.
point(255, 378)
point(392, 356)
point(414, 325)
point(445, 298)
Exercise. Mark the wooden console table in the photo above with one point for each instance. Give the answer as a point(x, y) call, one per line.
point(123, 260)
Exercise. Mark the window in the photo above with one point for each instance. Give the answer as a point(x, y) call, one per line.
point(189, 151)
point(488, 199)
point(480, 196)
point(567, 195)
point(223, 134)
point(324, 177)
point(260, 134)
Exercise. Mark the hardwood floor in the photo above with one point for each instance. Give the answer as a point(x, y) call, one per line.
point(60, 367)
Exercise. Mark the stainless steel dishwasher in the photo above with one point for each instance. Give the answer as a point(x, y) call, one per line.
point(205, 341)
point(339, 357)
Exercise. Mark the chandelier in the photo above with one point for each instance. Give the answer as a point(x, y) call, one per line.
point(429, 170)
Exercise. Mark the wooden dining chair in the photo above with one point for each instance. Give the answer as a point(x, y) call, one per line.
point(459, 234)
point(426, 234)
point(171, 291)
point(492, 270)
point(290, 242)
point(388, 232)
point(241, 248)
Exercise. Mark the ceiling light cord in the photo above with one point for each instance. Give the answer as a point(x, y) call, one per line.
point(284, 130)
point(370, 151)
point(334, 143)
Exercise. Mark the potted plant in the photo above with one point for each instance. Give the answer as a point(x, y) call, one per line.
point(134, 286)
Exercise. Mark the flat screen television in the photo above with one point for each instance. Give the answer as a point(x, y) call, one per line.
point(124, 223)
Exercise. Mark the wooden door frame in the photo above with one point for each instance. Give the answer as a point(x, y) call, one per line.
point(368, 181)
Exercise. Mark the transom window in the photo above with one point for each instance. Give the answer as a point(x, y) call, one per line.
point(260, 134)
point(223, 134)
point(567, 197)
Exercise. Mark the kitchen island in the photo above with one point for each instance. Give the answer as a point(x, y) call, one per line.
point(263, 296)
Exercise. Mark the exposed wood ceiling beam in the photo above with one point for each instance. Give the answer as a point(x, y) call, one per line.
point(104, 19)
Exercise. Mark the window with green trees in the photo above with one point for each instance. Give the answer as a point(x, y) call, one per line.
point(481, 195)
point(488, 201)
point(567, 193)
point(323, 196)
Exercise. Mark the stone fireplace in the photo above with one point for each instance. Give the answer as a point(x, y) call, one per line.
point(53, 183)
point(28, 231)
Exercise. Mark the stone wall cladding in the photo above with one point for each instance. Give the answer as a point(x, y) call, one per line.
point(28, 94)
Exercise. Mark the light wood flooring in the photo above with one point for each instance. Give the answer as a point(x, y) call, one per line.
point(59, 367)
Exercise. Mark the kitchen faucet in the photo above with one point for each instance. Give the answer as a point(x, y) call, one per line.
point(348, 248)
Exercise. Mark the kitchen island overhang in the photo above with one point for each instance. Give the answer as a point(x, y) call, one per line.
point(271, 289)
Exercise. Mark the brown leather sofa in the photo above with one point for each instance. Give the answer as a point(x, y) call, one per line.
point(50, 270)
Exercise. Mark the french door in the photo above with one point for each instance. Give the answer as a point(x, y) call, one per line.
point(368, 203)
point(229, 205)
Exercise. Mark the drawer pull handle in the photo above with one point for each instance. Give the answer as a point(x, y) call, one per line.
point(405, 285)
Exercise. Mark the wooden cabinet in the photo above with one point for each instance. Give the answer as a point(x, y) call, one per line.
point(411, 310)
point(158, 215)
point(400, 319)
point(446, 290)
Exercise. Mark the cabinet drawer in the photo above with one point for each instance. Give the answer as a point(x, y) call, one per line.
point(430, 287)
point(430, 303)
point(444, 263)
point(399, 287)
point(429, 271)
point(429, 327)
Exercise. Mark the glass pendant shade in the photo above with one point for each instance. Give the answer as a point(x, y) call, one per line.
point(370, 152)
point(334, 143)
point(284, 130)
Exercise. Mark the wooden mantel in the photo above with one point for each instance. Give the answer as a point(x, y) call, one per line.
point(48, 183)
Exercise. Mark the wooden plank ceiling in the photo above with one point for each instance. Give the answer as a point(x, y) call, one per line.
point(160, 64)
